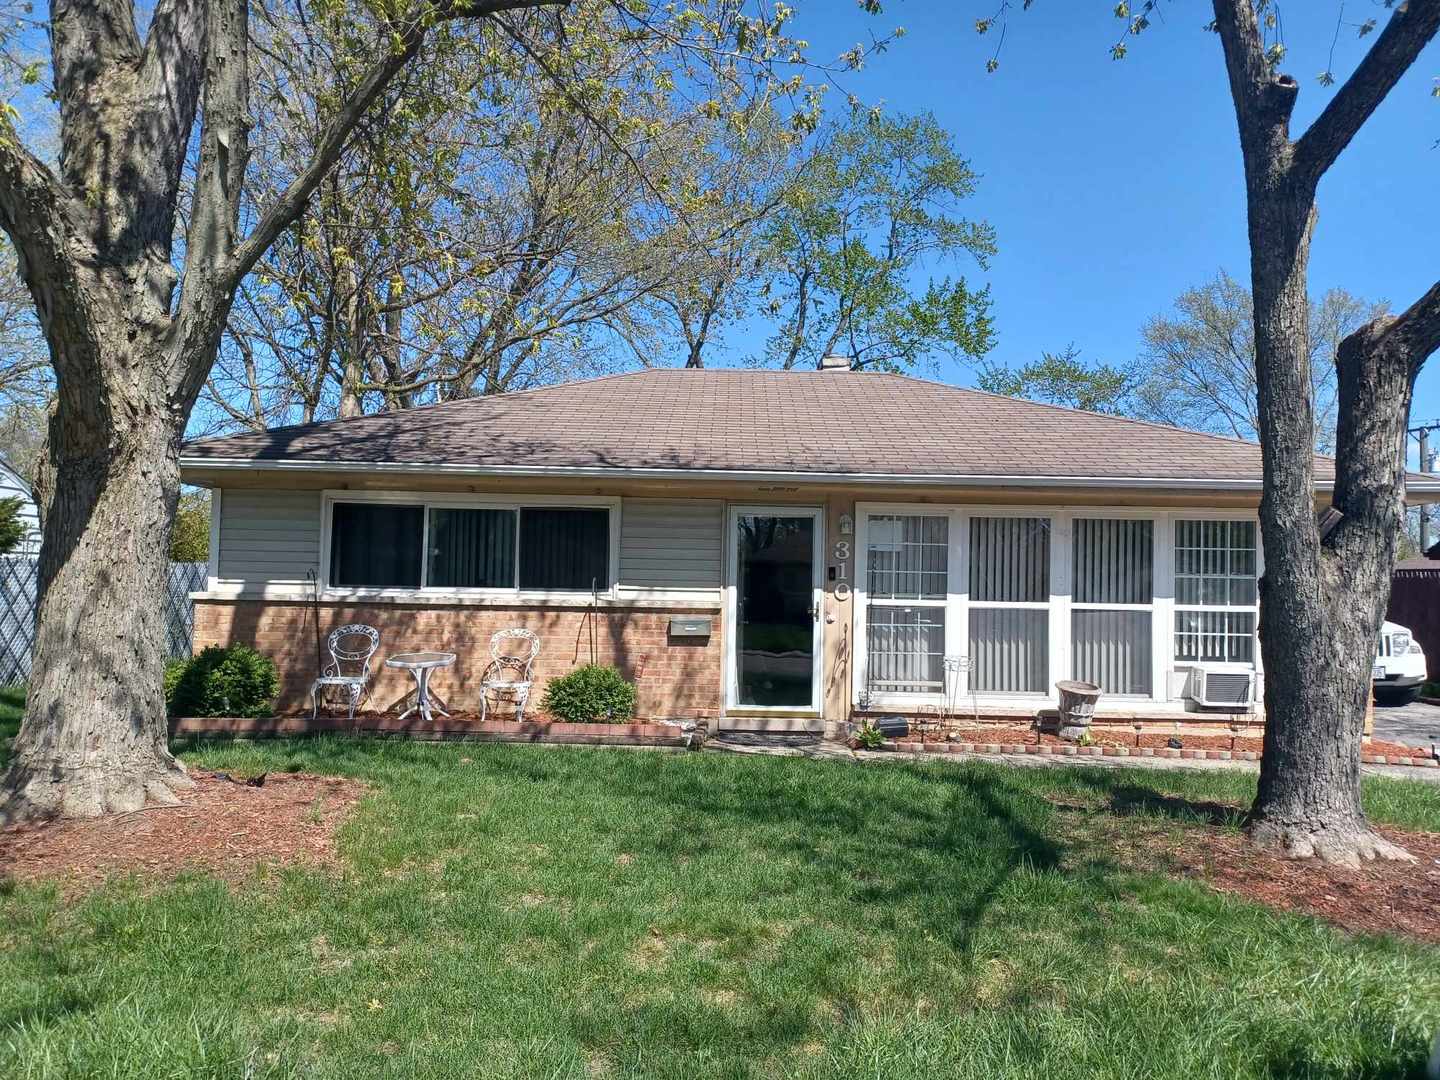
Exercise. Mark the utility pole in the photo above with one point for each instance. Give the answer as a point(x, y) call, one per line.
point(1427, 464)
point(1424, 507)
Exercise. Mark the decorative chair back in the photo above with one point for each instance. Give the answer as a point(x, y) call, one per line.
point(351, 649)
point(514, 652)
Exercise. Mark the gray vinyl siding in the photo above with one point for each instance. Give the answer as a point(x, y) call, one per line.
point(268, 537)
point(671, 543)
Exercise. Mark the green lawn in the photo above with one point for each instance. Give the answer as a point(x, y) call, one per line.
point(588, 913)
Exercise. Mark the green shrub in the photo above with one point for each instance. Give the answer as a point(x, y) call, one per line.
point(232, 680)
point(591, 694)
point(174, 668)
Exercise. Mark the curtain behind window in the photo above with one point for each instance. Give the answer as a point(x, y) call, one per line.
point(376, 545)
point(1010, 559)
point(564, 549)
point(472, 549)
point(1114, 564)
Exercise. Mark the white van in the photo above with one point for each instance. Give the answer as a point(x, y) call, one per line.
point(1399, 666)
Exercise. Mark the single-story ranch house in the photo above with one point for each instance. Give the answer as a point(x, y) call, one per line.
point(763, 549)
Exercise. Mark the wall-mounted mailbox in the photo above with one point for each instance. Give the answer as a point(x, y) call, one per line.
point(689, 626)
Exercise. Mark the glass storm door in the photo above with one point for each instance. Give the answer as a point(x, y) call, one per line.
point(776, 613)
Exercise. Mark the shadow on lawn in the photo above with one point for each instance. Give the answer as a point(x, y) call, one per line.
point(942, 844)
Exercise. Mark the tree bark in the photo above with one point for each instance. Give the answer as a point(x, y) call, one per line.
point(95, 735)
point(1322, 597)
point(95, 250)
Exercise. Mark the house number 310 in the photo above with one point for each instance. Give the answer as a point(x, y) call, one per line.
point(841, 592)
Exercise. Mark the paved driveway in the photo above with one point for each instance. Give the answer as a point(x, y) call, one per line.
point(1416, 724)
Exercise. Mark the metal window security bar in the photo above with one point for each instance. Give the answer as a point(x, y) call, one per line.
point(1216, 603)
point(19, 579)
point(908, 570)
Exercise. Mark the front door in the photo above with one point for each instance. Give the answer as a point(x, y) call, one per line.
point(775, 608)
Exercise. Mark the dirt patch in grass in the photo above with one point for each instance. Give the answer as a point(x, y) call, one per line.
point(221, 826)
point(1381, 897)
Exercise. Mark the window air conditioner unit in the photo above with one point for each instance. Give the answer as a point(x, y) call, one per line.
point(1226, 689)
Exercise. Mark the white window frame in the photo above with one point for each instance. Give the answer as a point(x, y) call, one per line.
point(457, 501)
point(1059, 582)
point(1156, 542)
point(1252, 609)
point(1166, 694)
point(941, 603)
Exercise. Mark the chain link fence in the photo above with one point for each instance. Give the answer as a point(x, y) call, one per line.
point(19, 575)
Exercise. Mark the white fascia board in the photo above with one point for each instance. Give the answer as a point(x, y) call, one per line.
point(601, 472)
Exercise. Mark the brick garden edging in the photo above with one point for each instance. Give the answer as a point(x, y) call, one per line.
point(530, 731)
point(1123, 751)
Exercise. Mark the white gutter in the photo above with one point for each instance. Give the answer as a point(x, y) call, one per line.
point(581, 472)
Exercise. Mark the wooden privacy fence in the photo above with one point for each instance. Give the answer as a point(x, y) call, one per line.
point(1415, 603)
point(19, 576)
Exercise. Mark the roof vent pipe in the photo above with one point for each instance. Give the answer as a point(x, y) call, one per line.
point(835, 362)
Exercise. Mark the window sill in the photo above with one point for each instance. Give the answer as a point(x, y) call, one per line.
point(560, 601)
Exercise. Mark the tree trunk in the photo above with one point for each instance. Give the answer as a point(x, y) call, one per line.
point(1322, 598)
point(94, 738)
point(1321, 616)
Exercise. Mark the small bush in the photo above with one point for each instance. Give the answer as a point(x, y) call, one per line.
point(592, 694)
point(232, 680)
point(868, 737)
point(174, 668)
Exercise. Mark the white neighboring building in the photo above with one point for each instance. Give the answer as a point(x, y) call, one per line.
point(12, 485)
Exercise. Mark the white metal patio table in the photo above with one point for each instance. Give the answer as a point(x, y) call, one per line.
point(421, 664)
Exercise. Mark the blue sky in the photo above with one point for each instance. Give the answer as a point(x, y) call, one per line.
point(1114, 186)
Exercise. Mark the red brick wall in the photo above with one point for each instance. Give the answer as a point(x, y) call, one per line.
point(674, 677)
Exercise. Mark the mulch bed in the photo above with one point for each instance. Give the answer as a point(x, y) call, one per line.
point(1381, 897)
point(220, 826)
point(1016, 735)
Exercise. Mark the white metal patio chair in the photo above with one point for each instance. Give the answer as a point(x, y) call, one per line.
point(511, 672)
point(351, 650)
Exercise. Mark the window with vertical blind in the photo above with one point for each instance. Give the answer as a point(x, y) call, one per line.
point(1216, 599)
point(1009, 620)
point(391, 545)
point(1112, 599)
point(993, 603)
point(907, 576)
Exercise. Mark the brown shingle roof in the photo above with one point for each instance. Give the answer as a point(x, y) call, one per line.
point(820, 422)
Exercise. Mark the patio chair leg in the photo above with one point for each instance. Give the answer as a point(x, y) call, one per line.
point(314, 702)
point(354, 701)
point(521, 697)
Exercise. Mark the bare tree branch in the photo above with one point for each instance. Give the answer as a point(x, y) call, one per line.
point(1413, 26)
point(406, 43)
point(1263, 100)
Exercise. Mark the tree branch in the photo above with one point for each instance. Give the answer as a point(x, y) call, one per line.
point(1263, 100)
point(93, 44)
point(215, 264)
point(1412, 27)
point(1416, 330)
point(167, 93)
point(291, 204)
point(33, 208)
